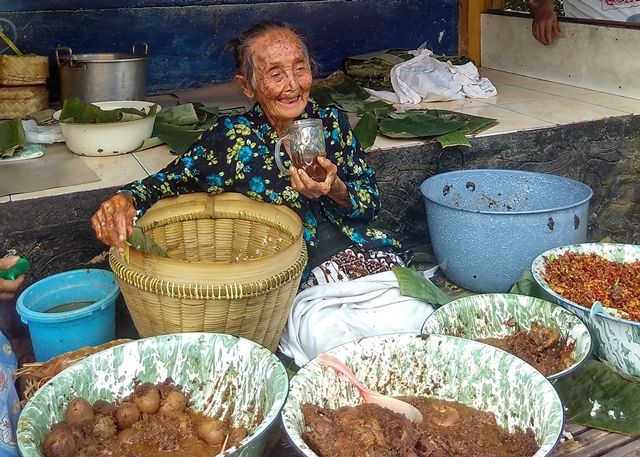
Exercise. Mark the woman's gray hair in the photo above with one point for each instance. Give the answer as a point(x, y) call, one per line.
point(242, 52)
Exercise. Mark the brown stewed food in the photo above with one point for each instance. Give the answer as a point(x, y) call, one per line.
point(155, 420)
point(449, 429)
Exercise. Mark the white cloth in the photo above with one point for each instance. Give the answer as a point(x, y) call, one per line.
point(612, 10)
point(328, 315)
point(426, 79)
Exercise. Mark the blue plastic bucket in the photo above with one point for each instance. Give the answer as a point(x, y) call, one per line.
point(91, 324)
point(487, 226)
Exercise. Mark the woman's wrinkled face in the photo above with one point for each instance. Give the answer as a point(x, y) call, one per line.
point(282, 76)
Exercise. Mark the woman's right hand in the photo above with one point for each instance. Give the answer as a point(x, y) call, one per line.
point(113, 222)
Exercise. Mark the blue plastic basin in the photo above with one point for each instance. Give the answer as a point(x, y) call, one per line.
point(55, 333)
point(486, 226)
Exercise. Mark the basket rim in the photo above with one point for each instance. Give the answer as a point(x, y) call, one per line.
point(228, 205)
point(199, 291)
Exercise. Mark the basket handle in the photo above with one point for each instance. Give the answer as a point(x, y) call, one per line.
point(143, 44)
point(63, 48)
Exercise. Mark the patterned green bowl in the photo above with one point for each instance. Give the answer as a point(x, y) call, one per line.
point(489, 316)
point(447, 367)
point(212, 366)
point(616, 340)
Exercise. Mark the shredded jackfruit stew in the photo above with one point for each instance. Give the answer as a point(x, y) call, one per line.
point(586, 278)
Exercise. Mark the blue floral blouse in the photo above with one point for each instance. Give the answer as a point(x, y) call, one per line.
point(237, 155)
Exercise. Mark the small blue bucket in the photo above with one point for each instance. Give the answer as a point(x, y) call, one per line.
point(87, 313)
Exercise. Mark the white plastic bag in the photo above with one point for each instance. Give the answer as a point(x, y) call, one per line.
point(44, 134)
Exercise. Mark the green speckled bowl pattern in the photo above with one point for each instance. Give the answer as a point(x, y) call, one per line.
point(489, 316)
point(212, 366)
point(441, 366)
point(616, 341)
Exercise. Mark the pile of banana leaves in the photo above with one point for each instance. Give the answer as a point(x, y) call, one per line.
point(373, 70)
point(12, 138)
point(180, 126)
point(75, 111)
point(447, 127)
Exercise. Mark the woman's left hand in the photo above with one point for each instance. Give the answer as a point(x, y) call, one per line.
point(332, 186)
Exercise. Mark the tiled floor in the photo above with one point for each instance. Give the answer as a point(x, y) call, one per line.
point(521, 104)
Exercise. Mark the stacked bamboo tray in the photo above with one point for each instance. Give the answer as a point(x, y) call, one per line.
point(22, 80)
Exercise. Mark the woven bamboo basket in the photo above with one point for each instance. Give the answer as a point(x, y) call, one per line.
point(19, 102)
point(24, 70)
point(234, 266)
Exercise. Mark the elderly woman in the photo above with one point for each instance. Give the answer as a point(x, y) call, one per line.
point(273, 67)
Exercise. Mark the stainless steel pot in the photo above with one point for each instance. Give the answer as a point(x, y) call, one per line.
point(103, 77)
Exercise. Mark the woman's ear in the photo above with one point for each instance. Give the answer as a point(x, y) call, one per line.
point(244, 86)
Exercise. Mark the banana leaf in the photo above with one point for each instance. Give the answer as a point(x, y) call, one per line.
point(526, 285)
point(379, 108)
point(11, 137)
point(182, 125)
point(418, 125)
point(597, 397)
point(138, 240)
point(184, 114)
point(337, 83)
point(78, 112)
point(414, 284)
point(455, 138)
point(178, 137)
point(366, 130)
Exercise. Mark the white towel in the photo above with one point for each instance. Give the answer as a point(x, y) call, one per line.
point(328, 315)
point(426, 79)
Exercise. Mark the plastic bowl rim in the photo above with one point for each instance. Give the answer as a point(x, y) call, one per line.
point(28, 315)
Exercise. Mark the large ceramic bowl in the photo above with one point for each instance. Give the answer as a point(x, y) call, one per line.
point(110, 138)
point(447, 367)
point(210, 365)
point(616, 341)
point(493, 316)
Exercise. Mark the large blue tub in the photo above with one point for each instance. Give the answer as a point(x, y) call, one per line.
point(486, 226)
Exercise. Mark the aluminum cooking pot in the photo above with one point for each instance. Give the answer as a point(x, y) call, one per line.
point(103, 77)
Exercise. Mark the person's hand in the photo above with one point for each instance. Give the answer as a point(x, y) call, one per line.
point(113, 222)
point(545, 22)
point(304, 184)
point(332, 186)
point(8, 288)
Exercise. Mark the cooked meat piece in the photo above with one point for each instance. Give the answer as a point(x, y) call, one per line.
point(366, 430)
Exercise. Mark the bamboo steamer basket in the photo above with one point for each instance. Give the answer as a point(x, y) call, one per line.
point(234, 266)
point(19, 102)
point(23, 70)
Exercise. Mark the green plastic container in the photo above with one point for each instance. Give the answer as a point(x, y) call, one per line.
point(210, 365)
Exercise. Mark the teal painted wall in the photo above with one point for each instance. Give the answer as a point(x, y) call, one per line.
point(187, 37)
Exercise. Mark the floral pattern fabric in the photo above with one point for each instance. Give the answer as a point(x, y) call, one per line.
point(237, 155)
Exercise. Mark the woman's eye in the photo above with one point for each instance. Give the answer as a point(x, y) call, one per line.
point(276, 75)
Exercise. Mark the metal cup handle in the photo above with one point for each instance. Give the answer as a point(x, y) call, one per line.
point(277, 154)
point(143, 44)
point(63, 48)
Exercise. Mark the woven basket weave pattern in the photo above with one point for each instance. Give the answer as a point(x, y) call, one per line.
point(18, 102)
point(237, 232)
point(26, 70)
